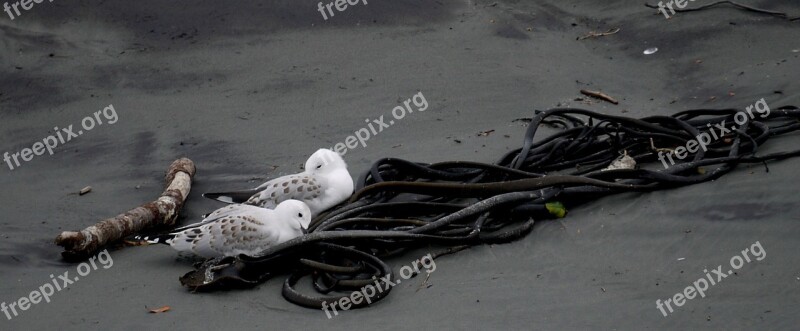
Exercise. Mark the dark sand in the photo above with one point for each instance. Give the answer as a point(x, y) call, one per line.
point(242, 88)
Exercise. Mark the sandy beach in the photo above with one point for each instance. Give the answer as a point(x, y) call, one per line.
point(249, 89)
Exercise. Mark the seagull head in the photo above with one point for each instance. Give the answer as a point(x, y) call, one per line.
point(296, 212)
point(324, 161)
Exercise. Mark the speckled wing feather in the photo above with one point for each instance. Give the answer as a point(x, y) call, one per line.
point(299, 187)
point(227, 235)
point(230, 210)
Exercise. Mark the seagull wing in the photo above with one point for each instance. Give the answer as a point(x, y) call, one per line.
point(231, 235)
point(227, 211)
point(301, 187)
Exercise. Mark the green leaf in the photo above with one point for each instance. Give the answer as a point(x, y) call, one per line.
point(556, 208)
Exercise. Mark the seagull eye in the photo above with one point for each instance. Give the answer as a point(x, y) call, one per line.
point(300, 214)
point(319, 166)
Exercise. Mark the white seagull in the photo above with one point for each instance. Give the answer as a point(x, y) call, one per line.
point(239, 229)
point(324, 183)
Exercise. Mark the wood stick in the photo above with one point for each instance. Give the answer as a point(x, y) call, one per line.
point(593, 34)
point(600, 95)
point(163, 211)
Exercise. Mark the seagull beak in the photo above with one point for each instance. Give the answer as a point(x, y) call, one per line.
point(305, 231)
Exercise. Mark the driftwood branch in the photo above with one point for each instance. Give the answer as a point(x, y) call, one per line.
point(600, 95)
point(161, 212)
point(593, 34)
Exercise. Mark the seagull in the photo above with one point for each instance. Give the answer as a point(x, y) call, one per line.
point(324, 183)
point(239, 229)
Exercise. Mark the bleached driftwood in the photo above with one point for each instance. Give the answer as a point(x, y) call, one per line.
point(161, 212)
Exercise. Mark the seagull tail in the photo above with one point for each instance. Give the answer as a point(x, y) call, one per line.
point(231, 197)
point(165, 239)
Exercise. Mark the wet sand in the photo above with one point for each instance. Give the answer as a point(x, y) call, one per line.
point(247, 91)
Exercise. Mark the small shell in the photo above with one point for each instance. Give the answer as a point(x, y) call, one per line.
point(650, 50)
point(85, 190)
